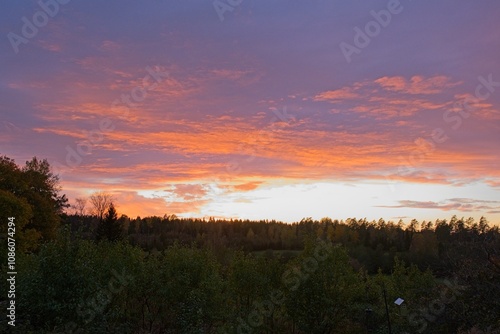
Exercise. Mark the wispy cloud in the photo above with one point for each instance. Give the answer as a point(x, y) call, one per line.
point(417, 84)
point(459, 204)
point(169, 152)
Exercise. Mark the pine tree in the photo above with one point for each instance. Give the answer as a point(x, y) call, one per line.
point(109, 228)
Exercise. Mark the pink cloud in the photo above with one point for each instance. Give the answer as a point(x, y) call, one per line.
point(460, 204)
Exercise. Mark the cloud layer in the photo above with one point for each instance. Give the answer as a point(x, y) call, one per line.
point(172, 110)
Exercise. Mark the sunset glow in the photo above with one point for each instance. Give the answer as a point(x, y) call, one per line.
point(261, 115)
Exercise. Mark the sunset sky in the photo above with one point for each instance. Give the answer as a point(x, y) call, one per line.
point(259, 109)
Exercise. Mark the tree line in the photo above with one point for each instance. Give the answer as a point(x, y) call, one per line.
point(86, 270)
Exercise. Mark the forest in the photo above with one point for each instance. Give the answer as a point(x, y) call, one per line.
point(84, 269)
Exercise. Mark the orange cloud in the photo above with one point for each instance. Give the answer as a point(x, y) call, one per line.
point(389, 97)
point(344, 93)
point(247, 186)
point(417, 84)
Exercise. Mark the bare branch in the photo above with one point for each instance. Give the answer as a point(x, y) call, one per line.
point(100, 202)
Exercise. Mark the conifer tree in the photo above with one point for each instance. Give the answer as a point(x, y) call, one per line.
point(109, 227)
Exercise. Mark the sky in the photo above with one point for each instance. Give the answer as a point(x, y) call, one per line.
point(262, 109)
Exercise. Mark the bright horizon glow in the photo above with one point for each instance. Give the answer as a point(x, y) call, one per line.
point(287, 202)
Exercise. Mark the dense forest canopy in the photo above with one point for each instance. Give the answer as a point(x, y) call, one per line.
point(87, 270)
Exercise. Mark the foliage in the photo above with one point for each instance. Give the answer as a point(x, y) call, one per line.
point(75, 282)
point(31, 194)
point(100, 203)
point(110, 227)
point(26, 238)
point(173, 275)
point(324, 290)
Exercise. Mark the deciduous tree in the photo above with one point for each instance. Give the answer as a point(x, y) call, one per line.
point(100, 202)
point(36, 185)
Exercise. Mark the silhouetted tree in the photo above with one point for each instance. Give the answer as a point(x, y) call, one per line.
point(79, 206)
point(109, 228)
point(100, 202)
point(35, 185)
